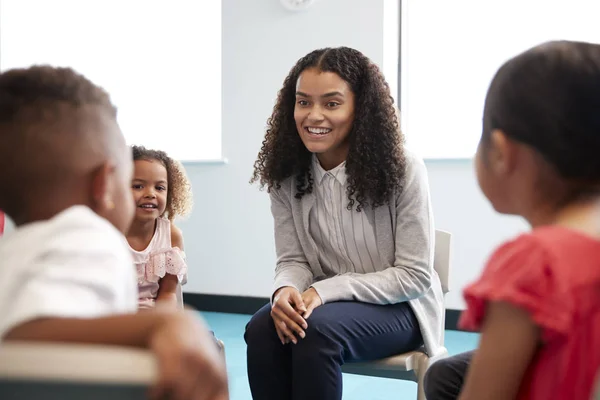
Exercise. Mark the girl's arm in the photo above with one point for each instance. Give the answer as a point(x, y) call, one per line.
point(509, 340)
point(167, 292)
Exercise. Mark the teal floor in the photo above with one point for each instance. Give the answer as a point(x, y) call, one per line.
point(230, 328)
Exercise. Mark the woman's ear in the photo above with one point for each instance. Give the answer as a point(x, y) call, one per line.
point(103, 188)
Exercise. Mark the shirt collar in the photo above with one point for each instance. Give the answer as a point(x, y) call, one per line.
point(339, 172)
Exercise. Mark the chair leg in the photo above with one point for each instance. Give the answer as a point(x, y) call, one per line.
point(420, 386)
point(423, 366)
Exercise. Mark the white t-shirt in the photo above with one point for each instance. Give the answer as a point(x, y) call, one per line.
point(75, 265)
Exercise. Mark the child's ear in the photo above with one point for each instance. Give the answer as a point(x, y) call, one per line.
point(103, 188)
point(502, 156)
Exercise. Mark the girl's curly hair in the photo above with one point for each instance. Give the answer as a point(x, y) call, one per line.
point(179, 189)
point(376, 160)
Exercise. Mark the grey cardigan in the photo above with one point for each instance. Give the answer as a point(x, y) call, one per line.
point(405, 239)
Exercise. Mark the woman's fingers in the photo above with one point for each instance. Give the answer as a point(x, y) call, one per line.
point(298, 301)
point(288, 334)
point(298, 322)
point(292, 318)
point(309, 310)
point(280, 334)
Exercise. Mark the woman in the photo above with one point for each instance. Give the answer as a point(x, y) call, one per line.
point(353, 232)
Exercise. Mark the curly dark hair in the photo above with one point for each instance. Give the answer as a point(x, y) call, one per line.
point(179, 189)
point(376, 160)
point(549, 99)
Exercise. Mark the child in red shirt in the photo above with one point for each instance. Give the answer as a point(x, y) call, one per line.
point(537, 303)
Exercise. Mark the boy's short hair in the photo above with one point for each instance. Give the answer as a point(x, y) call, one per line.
point(50, 122)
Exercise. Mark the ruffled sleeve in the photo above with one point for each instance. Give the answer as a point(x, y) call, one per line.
point(521, 273)
point(159, 263)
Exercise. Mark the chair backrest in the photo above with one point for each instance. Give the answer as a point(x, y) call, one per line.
point(443, 252)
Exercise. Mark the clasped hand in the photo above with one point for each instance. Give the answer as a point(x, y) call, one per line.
point(290, 311)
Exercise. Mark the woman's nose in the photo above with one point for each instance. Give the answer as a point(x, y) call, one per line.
point(315, 115)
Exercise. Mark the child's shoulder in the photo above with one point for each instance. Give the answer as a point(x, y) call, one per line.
point(549, 238)
point(547, 253)
point(68, 228)
point(79, 226)
point(176, 235)
point(76, 235)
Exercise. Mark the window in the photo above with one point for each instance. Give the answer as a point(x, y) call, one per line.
point(451, 50)
point(159, 60)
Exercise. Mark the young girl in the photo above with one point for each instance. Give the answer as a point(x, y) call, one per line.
point(161, 192)
point(354, 279)
point(537, 302)
point(65, 271)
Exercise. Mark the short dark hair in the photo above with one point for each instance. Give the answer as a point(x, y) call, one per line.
point(549, 99)
point(45, 125)
point(41, 87)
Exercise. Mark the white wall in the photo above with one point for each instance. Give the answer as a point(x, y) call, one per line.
point(229, 237)
point(460, 207)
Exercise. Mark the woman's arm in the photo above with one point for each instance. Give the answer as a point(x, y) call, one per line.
point(410, 276)
point(167, 292)
point(509, 339)
point(292, 266)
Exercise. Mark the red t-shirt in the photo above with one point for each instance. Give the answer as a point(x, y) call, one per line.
point(554, 274)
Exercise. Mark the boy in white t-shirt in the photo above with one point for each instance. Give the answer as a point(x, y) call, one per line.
point(66, 274)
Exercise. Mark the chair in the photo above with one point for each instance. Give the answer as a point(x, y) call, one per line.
point(53, 371)
point(413, 365)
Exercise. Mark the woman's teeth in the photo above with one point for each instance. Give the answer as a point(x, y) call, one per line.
point(318, 131)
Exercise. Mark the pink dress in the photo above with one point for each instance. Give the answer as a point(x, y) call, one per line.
point(553, 273)
point(156, 260)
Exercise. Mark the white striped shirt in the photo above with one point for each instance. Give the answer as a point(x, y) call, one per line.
point(345, 238)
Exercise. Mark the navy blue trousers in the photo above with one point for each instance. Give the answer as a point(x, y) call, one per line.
point(337, 333)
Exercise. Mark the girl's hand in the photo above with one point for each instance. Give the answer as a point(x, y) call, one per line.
point(311, 300)
point(189, 362)
point(287, 320)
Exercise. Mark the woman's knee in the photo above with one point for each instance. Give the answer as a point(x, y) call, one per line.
point(259, 326)
point(320, 335)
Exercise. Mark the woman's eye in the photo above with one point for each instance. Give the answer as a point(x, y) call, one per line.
point(332, 104)
point(303, 102)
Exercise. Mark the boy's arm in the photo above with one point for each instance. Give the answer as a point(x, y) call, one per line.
point(123, 330)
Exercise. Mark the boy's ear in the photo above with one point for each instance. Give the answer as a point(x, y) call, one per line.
point(102, 188)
